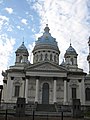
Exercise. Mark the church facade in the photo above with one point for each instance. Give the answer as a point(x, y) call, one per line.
point(46, 81)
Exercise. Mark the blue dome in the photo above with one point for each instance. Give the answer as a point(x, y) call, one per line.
point(46, 38)
point(22, 48)
point(71, 50)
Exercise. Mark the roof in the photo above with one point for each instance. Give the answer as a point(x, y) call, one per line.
point(63, 63)
point(22, 48)
point(46, 39)
point(71, 51)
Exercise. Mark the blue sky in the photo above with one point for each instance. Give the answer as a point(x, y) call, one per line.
point(67, 19)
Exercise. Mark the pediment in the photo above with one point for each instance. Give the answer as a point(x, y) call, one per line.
point(46, 66)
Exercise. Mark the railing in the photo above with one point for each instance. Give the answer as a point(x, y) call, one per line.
point(10, 109)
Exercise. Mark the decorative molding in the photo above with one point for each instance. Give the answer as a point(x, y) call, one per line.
point(74, 83)
point(87, 86)
point(46, 66)
point(17, 81)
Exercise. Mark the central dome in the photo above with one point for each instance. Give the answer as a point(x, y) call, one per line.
point(46, 48)
point(46, 39)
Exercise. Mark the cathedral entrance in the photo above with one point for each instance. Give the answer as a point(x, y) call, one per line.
point(45, 93)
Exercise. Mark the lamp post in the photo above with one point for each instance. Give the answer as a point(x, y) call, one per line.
point(6, 115)
point(62, 110)
point(33, 114)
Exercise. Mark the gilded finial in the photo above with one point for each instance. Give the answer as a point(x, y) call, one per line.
point(46, 29)
point(46, 25)
point(23, 40)
point(70, 42)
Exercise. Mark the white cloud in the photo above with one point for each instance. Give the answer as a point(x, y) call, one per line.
point(3, 21)
point(6, 49)
point(24, 21)
point(9, 10)
point(31, 46)
point(67, 20)
point(10, 28)
point(6, 44)
point(18, 27)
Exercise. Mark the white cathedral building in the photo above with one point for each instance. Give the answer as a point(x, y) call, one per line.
point(46, 81)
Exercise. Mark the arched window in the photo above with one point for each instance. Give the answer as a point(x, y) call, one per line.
point(87, 94)
point(17, 90)
point(20, 59)
point(74, 93)
point(45, 93)
point(41, 57)
point(50, 57)
point(54, 58)
point(37, 58)
point(46, 56)
point(71, 61)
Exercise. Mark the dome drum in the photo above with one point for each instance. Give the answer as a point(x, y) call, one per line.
point(46, 54)
point(43, 47)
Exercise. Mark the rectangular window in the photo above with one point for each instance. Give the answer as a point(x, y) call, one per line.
point(17, 89)
point(87, 92)
point(73, 93)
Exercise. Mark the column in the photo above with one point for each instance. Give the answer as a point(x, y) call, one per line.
point(9, 93)
point(54, 92)
point(37, 89)
point(26, 89)
point(65, 91)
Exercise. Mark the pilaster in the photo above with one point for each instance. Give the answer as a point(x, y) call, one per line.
point(65, 91)
point(37, 90)
point(9, 92)
point(54, 91)
point(26, 89)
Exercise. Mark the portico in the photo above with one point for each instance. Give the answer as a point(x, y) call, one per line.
point(45, 91)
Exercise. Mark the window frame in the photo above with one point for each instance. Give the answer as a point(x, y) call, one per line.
point(16, 91)
point(87, 94)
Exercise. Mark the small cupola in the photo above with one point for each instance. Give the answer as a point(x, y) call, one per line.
point(22, 54)
point(71, 56)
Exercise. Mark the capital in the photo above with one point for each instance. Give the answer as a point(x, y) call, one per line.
point(37, 77)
